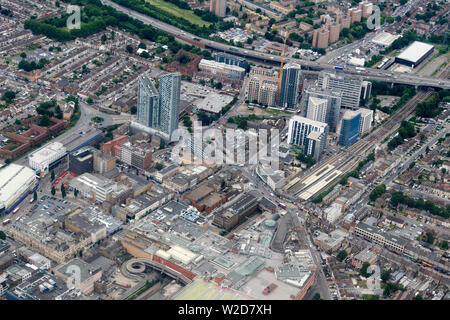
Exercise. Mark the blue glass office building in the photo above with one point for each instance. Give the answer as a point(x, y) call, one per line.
point(349, 128)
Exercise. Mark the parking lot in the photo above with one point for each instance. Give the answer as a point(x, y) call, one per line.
point(52, 206)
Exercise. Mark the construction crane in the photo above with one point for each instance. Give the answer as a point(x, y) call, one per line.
point(281, 67)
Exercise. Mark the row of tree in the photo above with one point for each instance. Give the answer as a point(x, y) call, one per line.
point(398, 198)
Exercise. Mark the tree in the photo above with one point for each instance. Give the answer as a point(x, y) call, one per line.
point(35, 196)
point(129, 49)
point(342, 255)
point(444, 245)
point(52, 175)
point(317, 296)
point(44, 121)
point(378, 191)
point(75, 192)
point(385, 275)
point(162, 144)
point(63, 191)
point(53, 191)
point(363, 270)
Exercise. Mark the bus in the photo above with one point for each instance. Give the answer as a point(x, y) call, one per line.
point(15, 210)
point(5, 222)
point(282, 205)
point(339, 67)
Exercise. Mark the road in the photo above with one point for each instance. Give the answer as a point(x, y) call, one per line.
point(372, 74)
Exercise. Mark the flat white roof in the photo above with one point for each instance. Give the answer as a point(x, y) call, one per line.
point(13, 178)
point(385, 38)
point(48, 152)
point(415, 51)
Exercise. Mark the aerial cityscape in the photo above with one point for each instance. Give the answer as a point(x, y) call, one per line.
point(236, 150)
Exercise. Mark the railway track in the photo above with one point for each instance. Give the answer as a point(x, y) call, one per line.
point(356, 152)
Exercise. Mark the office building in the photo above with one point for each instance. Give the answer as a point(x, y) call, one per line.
point(349, 128)
point(103, 162)
point(135, 156)
point(222, 69)
point(290, 81)
point(376, 235)
point(365, 123)
point(218, 7)
point(349, 86)
point(94, 187)
point(299, 132)
point(81, 161)
point(334, 100)
point(47, 157)
point(114, 147)
point(230, 59)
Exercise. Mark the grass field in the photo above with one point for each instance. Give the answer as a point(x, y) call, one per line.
point(178, 12)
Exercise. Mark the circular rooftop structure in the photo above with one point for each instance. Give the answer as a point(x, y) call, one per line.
point(270, 224)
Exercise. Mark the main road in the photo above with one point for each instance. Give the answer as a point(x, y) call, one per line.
point(365, 73)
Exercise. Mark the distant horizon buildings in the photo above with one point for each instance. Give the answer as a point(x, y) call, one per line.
point(157, 112)
point(290, 80)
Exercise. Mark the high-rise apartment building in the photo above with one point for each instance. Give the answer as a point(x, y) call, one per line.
point(263, 90)
point(290, 80)
point(159, 111)
point(334, 100)
point(309, 134)
point(148, 102)
point(169, 100)
point(218, 7)
point(317, 109)
point(365, 123)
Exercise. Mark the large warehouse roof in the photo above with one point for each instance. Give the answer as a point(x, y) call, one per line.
point(415, 51)
point(13, 180)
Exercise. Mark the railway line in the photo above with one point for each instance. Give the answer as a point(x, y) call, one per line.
point(347, 160)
